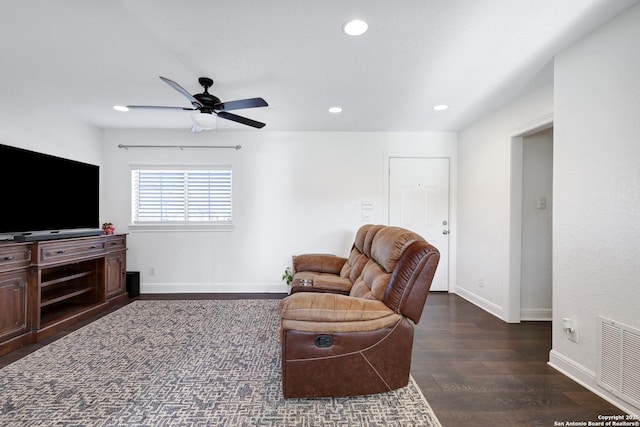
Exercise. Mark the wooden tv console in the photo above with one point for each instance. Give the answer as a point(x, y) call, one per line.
point(45, 286)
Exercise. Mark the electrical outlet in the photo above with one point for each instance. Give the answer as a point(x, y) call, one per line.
point(152, 271)
point(481, 282)
point(569, 328)
point(573, 336)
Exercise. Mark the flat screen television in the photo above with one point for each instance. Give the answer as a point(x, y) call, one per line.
point(47, 197)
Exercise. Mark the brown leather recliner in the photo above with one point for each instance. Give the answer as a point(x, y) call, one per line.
point(346, 345)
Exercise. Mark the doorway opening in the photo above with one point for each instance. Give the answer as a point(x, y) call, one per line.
point(529, 276)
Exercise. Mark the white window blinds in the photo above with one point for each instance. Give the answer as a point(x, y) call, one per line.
point(181, 196)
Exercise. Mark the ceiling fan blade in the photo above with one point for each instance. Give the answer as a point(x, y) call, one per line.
point(176, 86)
point(158, 107)
point(240, 119)
point(240, 104)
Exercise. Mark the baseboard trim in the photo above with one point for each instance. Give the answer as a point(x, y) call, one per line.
point(587, 379)
point(536, 314)
point(186, 288)
point(484, 304)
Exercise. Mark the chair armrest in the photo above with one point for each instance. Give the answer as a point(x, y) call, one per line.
point(322, 283)
point(319, 263)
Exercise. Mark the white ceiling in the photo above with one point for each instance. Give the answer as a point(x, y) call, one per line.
point(81, 57)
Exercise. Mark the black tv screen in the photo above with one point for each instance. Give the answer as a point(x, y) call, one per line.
point(44, 193)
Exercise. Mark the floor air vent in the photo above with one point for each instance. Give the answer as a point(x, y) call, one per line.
point(619, 360)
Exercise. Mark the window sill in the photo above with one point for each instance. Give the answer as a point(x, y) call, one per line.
point(137, 228)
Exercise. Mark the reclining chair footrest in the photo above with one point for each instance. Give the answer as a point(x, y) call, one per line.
point(356, 363)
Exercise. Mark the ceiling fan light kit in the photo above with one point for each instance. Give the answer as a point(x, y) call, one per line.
point(208, 107)
point(204, 120)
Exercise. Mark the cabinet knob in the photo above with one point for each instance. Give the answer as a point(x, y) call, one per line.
point(8, 258)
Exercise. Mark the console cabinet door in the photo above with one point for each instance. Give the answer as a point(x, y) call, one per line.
point(116, 274)
point(13, 304)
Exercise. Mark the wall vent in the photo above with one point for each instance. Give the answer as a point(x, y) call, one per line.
point(619, 360)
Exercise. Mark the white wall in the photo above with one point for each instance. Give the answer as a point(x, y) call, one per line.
point(594, 107)
point(596, 223)
point(484, 153)
point(294, 192)
point(48, 131)
point(536, 267)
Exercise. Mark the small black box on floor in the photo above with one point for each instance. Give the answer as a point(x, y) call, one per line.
point(133, 283)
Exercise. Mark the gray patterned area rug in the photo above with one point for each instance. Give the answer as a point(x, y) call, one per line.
point(182, 363)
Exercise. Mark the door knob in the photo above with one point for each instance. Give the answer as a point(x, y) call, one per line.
point(445, 231)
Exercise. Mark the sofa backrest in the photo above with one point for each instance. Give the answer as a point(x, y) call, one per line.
point(389, 245)
point(411, 280)
point(360, 252)
point(369, 237)
point(398, 269)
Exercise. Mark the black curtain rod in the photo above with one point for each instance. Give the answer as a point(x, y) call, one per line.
point(182, 147)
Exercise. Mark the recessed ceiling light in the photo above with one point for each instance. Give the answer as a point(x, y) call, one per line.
point(120, 108)
point(335, 110)
point(441, 107)
point(355, 27)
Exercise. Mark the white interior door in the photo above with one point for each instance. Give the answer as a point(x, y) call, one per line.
point(419, 201)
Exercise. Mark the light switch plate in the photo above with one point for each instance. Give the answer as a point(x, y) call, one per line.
point(541, 203)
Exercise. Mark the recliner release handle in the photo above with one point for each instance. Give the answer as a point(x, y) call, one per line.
point(323, 341)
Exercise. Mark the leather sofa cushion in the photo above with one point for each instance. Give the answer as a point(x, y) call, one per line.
point(354, 265)
point(368, 240)
point(372, 283)
point(337, 327)
point(318, 312)
point(357, 257)
point(361, 236)
point(389, 245)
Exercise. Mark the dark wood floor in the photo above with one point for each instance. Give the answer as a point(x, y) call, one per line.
point(474, 369)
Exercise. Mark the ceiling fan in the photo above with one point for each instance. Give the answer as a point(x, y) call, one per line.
point(209, 106)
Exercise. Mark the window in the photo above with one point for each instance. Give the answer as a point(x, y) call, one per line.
point(181, 196)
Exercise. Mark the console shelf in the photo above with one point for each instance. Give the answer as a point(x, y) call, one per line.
point(49, 285)
point(54, 316)
point(62, 294)
point(65, 278)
